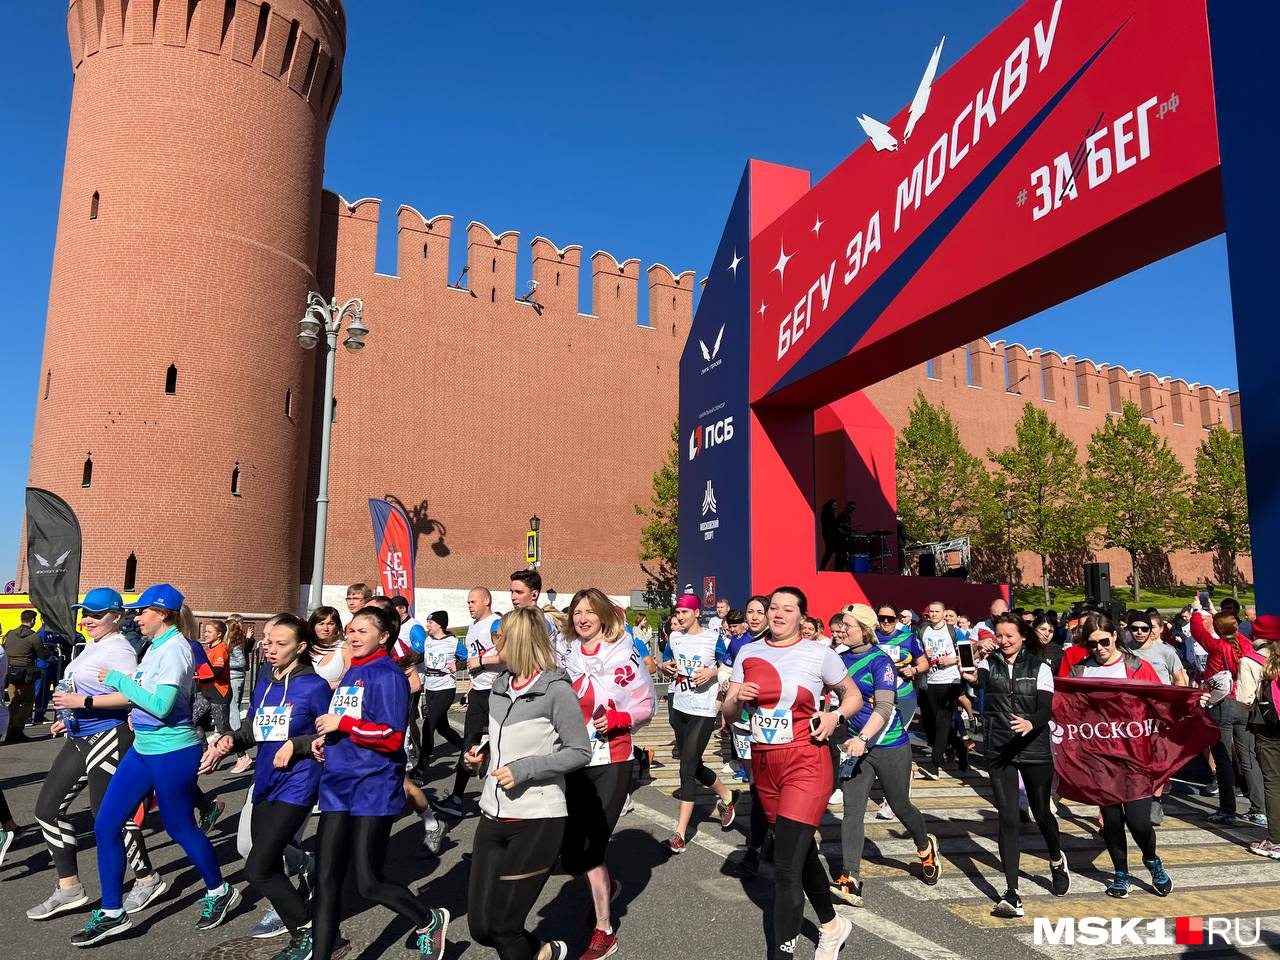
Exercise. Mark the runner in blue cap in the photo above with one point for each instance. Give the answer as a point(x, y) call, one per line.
point(97, 738)
point(164, 757)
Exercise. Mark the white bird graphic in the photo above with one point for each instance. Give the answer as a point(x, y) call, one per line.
point(715, 350)
point(878, 133)
point(41, 560)
point(921, 99)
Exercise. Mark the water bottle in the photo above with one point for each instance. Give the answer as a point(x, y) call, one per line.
point(67, 715)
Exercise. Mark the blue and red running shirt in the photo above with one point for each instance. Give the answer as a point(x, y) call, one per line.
point(363, 771)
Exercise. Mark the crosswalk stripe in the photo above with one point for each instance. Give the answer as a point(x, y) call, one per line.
point(958, 888)
point(1033, 845)
point(1237, 900)
point(886, 867)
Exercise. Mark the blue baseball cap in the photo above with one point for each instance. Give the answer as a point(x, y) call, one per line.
point(100, 600)
point(162, 595)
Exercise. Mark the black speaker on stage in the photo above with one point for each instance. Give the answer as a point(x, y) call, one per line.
point(928, 565)
point(1097, 583)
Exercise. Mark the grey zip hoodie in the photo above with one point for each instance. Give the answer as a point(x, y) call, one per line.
point(539, 736)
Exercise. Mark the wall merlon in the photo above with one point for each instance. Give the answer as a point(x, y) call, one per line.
point(491, 262)
point(301, 65)
point(422, 246)
point(171, 23)
point(206, 26)
point(615, 288)
point(112, 25)
point(273, 47)
point(670, 300)
point(556, 271)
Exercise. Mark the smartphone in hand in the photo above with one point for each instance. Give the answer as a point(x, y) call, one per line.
point(965, 652)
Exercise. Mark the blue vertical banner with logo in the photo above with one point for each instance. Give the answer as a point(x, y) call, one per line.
point(714, 479)
point(393, 542)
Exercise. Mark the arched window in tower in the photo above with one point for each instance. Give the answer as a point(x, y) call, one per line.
point(48, 380)
point(235, 481)
point(171, 380)
point(86, 477)
point(93, 206)
point(130, 573)
point(288, 404)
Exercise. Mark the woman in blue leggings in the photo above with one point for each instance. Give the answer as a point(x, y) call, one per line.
point(164, 757)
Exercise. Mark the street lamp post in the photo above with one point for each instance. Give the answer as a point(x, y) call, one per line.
point(326, 318)
point(535, 524)
point(1008, 525)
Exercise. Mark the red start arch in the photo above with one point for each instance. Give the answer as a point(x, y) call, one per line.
point(1080, 140)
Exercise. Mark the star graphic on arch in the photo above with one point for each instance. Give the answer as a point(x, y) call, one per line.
point(817, 225)
point(733, 264)
point(761, 310)
point(781, 265)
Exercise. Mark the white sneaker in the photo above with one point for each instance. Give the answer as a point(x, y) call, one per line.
point(836, 798)
point(830, 941)
point(885, 812)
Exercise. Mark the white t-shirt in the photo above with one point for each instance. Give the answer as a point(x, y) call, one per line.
point(1114, 671)
point(439, 660)
point(693, 652)
point(937, 643)
point(791, 681)
point(1044, 676)
point(480, 644)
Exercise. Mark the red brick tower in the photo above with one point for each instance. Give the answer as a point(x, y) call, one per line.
point(174, 402)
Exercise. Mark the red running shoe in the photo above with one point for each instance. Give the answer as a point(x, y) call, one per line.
point(602, 945)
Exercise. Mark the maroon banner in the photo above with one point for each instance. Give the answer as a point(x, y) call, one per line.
point(1121, 740)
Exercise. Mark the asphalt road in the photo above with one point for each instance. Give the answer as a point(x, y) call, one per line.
point(691, 905)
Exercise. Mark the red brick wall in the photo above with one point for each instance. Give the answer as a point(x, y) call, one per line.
point(207, 156)
point(487, 412)
point(1078, 393)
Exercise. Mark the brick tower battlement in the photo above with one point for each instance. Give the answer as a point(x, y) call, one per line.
point(174, 405)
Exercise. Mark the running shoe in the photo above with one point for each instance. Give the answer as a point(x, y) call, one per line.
point(725, 811)
point(929, 772)
point(298, 948)
point(143, 893)
point(675, 843)
point(1024, 814)
point(270, 926)
point(1159, 877)
point(931, 863)
point(1119, 886)
point(450, 806)
point(1157, 813)
point(99, 927)
point(242, 765)
point(216, 907)
point(1222, 819)
point(602, 945)
point(6, 841)
point(749, 865)
point(433, 839)
point(1255, 818)
point(212, 816)
point(848, 890)
point(60, 901)
point(830, 941)
point(741, 776)
point(559, 950)
point(1263, 848)
point(1009, 907)
point(886, 812)
point(431, 941)
point(306, 880)
point(1060, 877)
point(836, 798)
point(1209, 789)
point(726, 768)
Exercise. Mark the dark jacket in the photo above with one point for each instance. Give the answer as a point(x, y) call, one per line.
point(1013, 692)
point(24, 647)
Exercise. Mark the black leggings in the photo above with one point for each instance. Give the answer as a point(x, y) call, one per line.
point(273, 827)
point(344, 841)
point(511, 861)
point(797, 873)
point(5, 814)
point(1136, 814)
point(474, 726)
point(594, 796)
point(941, 699)
point(1038, 780)
point(85, 761)
point(692, 735)
point(435, 719)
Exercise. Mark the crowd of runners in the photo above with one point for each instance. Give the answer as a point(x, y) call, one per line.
point(348, 709)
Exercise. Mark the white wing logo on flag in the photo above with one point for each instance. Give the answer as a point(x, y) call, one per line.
point(57, 563)
point(879, 134)
point(715, 350)
point(41, 560)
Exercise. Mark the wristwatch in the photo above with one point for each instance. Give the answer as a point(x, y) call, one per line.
point(88, 702)
point(862, 737)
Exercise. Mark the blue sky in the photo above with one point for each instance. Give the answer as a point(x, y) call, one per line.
point(622, 128)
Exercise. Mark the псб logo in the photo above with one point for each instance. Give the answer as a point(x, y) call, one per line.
point(721, 431)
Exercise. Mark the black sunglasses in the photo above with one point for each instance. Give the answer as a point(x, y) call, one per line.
point(888, 619)
point(1105, 642)
point(1139, 628)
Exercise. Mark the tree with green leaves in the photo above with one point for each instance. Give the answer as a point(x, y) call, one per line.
point(660, 537)
point(1219, 505)
point(1038, 479)
point(1136, 489)
point(939, 481)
